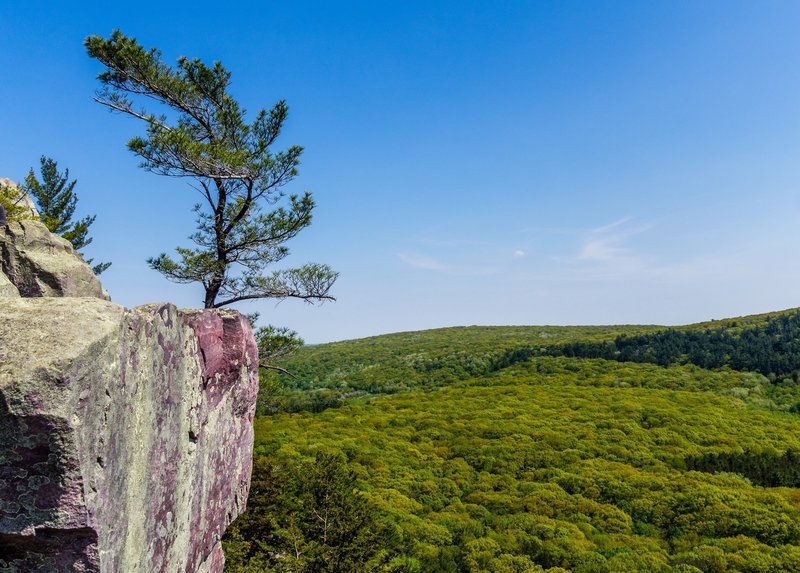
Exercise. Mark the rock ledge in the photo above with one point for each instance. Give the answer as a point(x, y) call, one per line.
point(125, 435)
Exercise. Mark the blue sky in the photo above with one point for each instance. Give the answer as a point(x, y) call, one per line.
point(472, 162)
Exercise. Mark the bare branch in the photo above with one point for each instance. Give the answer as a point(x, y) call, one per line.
point(278, 368)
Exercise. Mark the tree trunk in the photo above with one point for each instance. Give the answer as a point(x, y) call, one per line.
point(211, 293)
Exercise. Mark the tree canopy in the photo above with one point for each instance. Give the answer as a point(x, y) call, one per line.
point(202, 134)
point(479, 459)
point(309, 516)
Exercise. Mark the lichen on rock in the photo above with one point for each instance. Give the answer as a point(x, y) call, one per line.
point(125, 449)
point(39, 263)
point(125, 435)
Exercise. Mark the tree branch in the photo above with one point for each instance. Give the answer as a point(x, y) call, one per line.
point(278, 368)
point(306, 297)
point(129, 111)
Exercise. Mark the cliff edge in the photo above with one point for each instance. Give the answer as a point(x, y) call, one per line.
point(125, 435)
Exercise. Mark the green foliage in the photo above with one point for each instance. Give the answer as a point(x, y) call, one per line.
point(204, 136)
point(769, 468)
point(309, 516)
point(10, 201)
point(56, 200)
point(770, 346)
point(276, 342)
point(572, 464)
point(492, 451)
point(273, 342)
point(323, 375)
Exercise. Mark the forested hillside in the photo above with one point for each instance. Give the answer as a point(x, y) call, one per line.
point(518, 457)
point(323, 376)
point(770, 346)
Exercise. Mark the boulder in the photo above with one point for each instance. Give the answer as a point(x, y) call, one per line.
point(125, 435)
point(41, 264)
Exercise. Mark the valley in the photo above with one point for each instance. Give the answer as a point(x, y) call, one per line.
point(489, 449)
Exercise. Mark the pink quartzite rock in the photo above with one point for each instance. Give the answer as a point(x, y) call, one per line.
point(125, 436)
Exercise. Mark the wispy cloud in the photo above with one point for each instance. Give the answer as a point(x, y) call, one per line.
point(608, 251)
point(611, 253)
point(616, 224)
point(610, 243)
point(519, 253)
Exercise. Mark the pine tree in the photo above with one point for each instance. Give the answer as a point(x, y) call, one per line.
point(56, 200)
point(201, 133)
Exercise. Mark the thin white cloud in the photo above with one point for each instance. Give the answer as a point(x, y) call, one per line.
point(519, 253)
point(607, 252)
point(611, 253)
point(610, 244)
point(615, 224)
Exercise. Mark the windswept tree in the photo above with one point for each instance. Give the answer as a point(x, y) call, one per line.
point(200, 133)
point(56, 200)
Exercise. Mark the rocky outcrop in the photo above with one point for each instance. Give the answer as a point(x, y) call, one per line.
point(39, 263)
point(7, 288)
point(125, 435)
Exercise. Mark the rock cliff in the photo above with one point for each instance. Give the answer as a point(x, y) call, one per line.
point(125, 435)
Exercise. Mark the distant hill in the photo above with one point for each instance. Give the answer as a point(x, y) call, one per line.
point(325, 374)
point(765, 343)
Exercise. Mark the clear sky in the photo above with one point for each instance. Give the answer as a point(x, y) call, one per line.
point(473, 162)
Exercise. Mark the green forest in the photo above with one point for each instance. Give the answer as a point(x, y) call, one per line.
point(522, 449)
